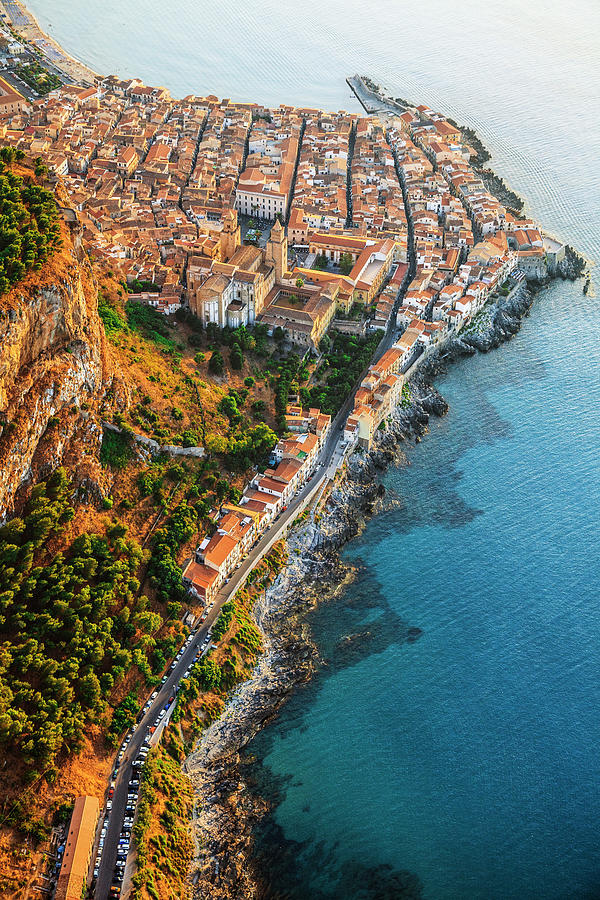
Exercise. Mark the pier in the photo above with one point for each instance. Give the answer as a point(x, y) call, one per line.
point(371, 100)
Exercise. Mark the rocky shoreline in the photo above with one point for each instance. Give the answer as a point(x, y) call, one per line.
point(226, 810)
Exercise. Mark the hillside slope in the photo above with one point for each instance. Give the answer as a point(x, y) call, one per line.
point(52, 370)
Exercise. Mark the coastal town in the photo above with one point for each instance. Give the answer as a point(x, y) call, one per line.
point(365, 223)
point(306, 223)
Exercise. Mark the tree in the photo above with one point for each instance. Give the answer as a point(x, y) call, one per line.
point(258, 408)
point(216, 443)
point(213, 332)
point(236, 359)
point(208, 674)
point(346, 263)
point(228, 406)
point(216, 364)
point(90, 690)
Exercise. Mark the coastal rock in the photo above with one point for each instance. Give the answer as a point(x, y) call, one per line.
point(226, 810)
point(573, 266)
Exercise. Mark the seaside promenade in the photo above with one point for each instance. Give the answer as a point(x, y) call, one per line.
point(16, 15)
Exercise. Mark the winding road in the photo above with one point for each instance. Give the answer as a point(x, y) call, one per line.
point(327, 461)
point(331, 451)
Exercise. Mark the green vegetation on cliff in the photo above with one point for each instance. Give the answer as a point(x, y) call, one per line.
point(346, 355)
point(68, 625)
point(164, 846)
point(29, 227)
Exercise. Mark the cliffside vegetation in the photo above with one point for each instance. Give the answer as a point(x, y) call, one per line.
point(164, 846)
point(345, 357)
point(69, 622)
point(190, 386)
point(29, 227)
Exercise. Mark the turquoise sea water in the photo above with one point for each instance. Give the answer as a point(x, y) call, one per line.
point(469, 755)
point(462, 763)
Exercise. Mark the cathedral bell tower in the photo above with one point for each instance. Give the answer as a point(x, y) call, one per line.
point(276, 250)
point(230, 235)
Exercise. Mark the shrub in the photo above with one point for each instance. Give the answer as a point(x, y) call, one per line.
point(116, 450)
point(112, 321)
point(236, 359)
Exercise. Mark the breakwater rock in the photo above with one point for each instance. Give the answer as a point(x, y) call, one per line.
point(495, 324)
point(573, 266)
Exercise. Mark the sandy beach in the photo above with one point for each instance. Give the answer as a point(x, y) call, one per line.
point(16, 15)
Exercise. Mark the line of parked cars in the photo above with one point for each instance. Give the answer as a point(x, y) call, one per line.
point(136, 766)
point(128, 819)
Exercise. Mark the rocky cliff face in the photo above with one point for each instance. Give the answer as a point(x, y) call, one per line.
point(52, 372)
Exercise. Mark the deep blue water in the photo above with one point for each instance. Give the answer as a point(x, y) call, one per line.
point(468, 756)
point(461, 764)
